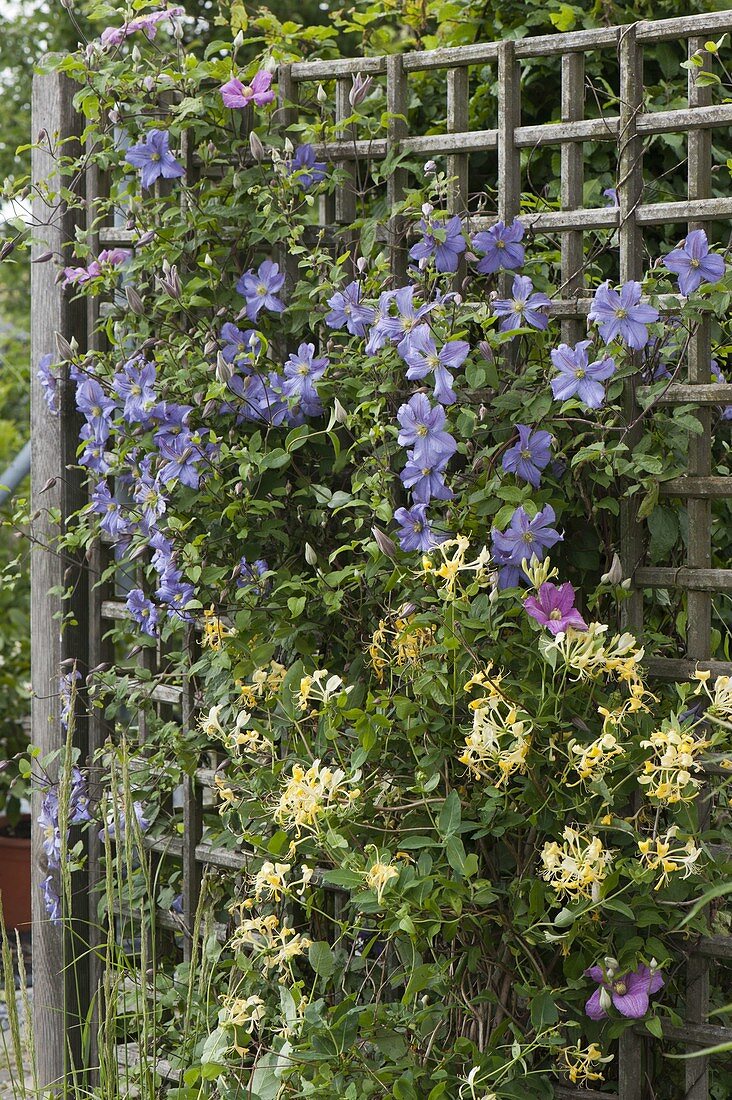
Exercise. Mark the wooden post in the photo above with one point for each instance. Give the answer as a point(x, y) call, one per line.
point(630, 194)
point(59, 628)
point(572, 181)
point(396, 103)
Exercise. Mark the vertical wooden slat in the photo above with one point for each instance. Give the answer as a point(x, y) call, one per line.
point(60, 961)
point(345, 196)
point(699, 555)
point(192, 804)
point(396, 105)
point(630, 1066)
point(630, 191)
point(287, 95)
point(509, 119)
point(572, 181)
point(699, 549)
point(458, 103)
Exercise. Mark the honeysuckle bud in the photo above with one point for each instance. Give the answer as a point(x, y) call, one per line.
point(361, 87)
point(224, 370)
point(321, 95)
point(384, 543)
point(430, 168)
point(134, 301)
point(614, 574)
point(310, 556)
point(340, 414)
point(256, 147)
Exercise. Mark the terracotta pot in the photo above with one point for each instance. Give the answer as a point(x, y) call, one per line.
point(15, 878)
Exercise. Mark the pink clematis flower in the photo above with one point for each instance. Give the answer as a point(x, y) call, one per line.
point(628, 993)
point(554, 608)
point(238, 95)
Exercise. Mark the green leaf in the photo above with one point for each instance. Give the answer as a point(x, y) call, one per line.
point(450, 815)
point(322, 959)
point(654, 1026)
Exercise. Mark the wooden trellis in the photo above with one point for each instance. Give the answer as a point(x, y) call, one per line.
point(64, 973)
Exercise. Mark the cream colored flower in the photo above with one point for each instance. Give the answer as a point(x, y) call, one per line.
point(578, 867)
point(379, 876)
point(269, 881)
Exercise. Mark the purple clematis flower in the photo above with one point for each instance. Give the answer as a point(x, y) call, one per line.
point(694, 264)
point(501, 248)
point(527, 458)
point(379, 335)
point(237, 95)
point(51, 899)
point(142, 611)
point(148, 24)
point(717, 376)
point(113, 520)
point(423, 428)
point(421, 356)
point(261, 398)
point(347, 311)
point(181, 457)
point(251, 576)
point(135, 384)
point(239, 345)
point(301, 372)
point(154, 159)
point(260, 290)
point(175, 592)
point(92, 401)
point(628, 993)
point(162, 547)
point(415, 531)
point(524, 308)
point(425, 481)
point(49, 382)
point(443, 240)
point(110, 829)
point(407, 319)
point(172, 420)
point(526, 538)
point(309, 170)
point(578, 377)
point(622, 315)
point(148, 495)
point(611, 194)
point(554, 608)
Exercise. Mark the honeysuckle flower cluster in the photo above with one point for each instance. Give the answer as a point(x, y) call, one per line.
point(576, 867)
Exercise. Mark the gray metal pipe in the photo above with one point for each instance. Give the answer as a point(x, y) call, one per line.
point(16, 472)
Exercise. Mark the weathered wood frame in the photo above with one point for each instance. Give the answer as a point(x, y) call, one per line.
point(64, 980)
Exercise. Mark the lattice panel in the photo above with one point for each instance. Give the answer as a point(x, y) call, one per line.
point(630, 129)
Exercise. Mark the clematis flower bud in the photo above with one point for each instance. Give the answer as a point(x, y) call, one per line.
point(339, 412)
point(427, 209)
point(149, 83)
point(289, 147)
point(486, 350)
point(65, 349)
point(361, 264)
point(238, 40)
point(310, 556)
point(384, 543)
point(134, 301)
point(430, 168)
point(361, 88)
point(224, 370)
point(256, 147)
point(136, 55)
point(606, 1001)
point(321, 95)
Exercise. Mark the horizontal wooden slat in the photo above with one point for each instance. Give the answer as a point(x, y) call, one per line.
point(548, 45)
point(562, 1092)
point(683, 393)
point(692, 580)
point(681, 668)
point(692, 1035)
point(714, 947)
point(699, 488)
point(707, 210)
